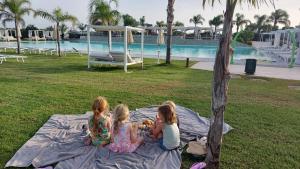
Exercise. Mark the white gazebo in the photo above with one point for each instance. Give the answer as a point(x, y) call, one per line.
point(111, 57)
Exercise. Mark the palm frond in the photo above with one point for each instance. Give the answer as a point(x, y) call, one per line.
point(22, 22)
point(67, 17)
point(254, 3)
point(23, 2)
point(24, 11)
point(45, 15)
point(5, 14)
point(94, 3)
point(4, 21)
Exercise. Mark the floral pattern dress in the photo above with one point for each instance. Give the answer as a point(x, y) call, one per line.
point(121, 141)
point(102, 135)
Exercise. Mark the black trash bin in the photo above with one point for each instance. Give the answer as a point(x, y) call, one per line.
point(250, 66)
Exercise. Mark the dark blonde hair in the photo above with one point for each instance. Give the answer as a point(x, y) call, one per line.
point(99, 106)
point(170, 103)
point(121, 113)
point(168, 113)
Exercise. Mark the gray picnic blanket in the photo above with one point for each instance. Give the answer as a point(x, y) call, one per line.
point(59, 143)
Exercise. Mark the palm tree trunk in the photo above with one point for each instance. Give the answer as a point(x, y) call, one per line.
point(57, 38)
point(215, 32)
point(170, 18)
point(237, 28)
point(17, 35)
point(219, 90)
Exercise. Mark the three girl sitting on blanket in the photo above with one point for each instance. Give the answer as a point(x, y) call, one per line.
point(123, 135)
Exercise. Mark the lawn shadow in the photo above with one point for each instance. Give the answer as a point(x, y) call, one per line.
point(57, 69)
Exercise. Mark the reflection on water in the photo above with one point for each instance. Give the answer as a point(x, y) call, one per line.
point(198, 51)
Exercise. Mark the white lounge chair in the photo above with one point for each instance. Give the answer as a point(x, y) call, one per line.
point(115, 58)
point(73, 50)
point(4, 57)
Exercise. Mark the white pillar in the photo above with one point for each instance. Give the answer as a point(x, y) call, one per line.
point(89, 45)
point(109, 41)
point(125, 49)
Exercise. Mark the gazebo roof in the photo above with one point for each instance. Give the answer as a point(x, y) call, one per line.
point(115, 28)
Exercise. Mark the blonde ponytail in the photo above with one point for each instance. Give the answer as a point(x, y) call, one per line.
point(121, 113)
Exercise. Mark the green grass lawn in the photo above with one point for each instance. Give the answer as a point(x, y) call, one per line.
point(265, 114)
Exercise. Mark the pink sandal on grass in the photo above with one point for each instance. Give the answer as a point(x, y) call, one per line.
point(200, 165)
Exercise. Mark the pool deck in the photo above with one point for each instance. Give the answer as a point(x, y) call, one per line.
point(261, 71)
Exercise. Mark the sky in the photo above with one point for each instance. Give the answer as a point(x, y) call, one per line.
point(155, 10)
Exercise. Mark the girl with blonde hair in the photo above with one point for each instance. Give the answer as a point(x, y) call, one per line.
point(125, 137)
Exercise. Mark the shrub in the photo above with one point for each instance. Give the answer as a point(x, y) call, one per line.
point(245, 37)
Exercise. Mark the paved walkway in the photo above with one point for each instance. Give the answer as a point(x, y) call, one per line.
point(261, 71)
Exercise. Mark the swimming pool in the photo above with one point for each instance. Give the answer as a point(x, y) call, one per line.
point(193, 51)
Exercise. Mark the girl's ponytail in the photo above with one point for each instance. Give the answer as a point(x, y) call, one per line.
point(120, 114)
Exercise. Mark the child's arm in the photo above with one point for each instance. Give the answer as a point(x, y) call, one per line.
point(133, 133)
point(110, 130)
point(157, 130)
point(108, 125)
point(90, 128)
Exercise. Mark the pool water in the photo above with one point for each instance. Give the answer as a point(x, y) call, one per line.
point(193, 51)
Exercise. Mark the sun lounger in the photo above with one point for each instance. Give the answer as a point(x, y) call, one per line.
point(73, 50)
point(99, 56)
point(4, 57)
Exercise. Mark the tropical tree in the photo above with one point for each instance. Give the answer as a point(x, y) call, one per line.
point(102, 13)
point(170, 19)
point(221, 77)
point(160, 24)
point(178, 23)
point(129, 20)
point(240, 21)
point(261, 22)
point(142, 21)
point(279, 17)
point(216, 22)
point(197, 19)
point(58, 17)
point(14, 11)
point(63, 28)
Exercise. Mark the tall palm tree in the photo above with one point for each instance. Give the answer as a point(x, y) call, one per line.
point(170, 19)
point(13, 11)
point(261, 21)
point(221, 77)
point(160, 24)
point(240, 21)
point(58, 17)
point(142, 21)
point(216, 22)
point(197, 19)
point(279, 17)
point(102, 12)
